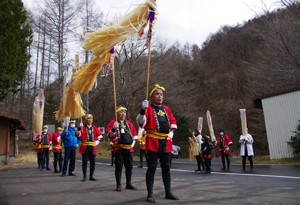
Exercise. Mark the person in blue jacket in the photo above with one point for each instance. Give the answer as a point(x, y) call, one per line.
point(70, 142)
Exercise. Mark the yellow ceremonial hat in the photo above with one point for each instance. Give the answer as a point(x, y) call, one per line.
point(45, 127)
point(157, 86)
point(89, 116)
point(59, 129)
point(119, 109)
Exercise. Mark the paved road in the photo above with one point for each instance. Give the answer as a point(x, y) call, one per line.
point(276, 184)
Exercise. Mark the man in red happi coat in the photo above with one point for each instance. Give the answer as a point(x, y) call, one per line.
point(123, 135)
point(90, 137)
point(159, 122)
point(224, 142)
point(44, 139)
point(56, 149)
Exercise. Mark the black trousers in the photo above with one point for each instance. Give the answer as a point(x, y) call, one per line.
point(123, 157)
point(58, 159)
point(200, 162)
point(39, 159)
point(165, 164)
point(70, 155)
point(244, 162)
point(91, 157)
point(142, 154)
point(223, 156)
point(45, 158)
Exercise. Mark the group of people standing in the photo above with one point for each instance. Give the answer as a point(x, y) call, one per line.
point(155, 118)
point(201, 149)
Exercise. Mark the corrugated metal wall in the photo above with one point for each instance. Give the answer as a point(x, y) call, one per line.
point(281, 115)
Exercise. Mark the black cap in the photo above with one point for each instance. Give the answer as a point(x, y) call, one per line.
point(196, 131)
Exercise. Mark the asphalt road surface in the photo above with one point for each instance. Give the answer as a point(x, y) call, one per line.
point(268, 184)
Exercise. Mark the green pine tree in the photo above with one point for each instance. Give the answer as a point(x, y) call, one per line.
point(295, 140)
point(50, 107)
point(15, 37)
point(183, 133)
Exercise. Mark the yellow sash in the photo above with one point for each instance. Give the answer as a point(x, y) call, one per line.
point(39, 146)
point(157, 135)
point(56, 147)
point(88, 143)
point(124, 146)
point(45, 146)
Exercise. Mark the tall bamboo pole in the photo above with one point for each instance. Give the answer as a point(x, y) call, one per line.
point(148, 70)
point(112, 51)
point(148, 44)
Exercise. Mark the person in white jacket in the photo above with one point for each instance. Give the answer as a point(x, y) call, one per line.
point(246, 142)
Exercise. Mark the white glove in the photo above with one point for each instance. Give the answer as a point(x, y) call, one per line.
point(97, 142)
point(59, 139)
point(80, 124)
point(116, 125)
point(77, 145)
point(145, 104)
point(100, 137)
point(171, 134)
point(227, 148)
point(50, 149)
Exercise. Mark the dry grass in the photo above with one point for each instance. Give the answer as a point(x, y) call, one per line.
point(26, 158)
point(267, 160)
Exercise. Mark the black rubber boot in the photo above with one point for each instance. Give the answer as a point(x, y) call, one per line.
point(169, 194)
point(84, 170)
point(118, 180)
point(150, 197)
point(128, 180)
point(92, 169)
point(55, 167)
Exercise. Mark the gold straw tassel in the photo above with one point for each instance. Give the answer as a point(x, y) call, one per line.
point(59, 114)
point(73, 107)
point(84, 79)
point(104, 39)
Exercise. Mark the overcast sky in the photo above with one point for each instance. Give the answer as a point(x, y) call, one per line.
point(193, 20)
point(189, 20)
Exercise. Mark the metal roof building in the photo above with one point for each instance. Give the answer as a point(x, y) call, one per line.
point(282, 114)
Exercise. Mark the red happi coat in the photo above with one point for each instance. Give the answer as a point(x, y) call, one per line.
point(152, 143)
point(56, 141)
point(37, 144)
point(227, 143)
point(38, 141)
point(83, 137)
point(114, 139)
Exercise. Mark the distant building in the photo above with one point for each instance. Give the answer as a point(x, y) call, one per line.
point(282, 114)
point(8, 127)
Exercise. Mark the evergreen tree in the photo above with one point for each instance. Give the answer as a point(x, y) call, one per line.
point(295, 140)
point(50, 107)
point(183, 133)
point(15, 37)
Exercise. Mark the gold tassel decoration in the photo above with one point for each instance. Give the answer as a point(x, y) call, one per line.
point(73, 107)
point(71, 103)
point(84, 79)
point(101, 41)
point(60, 114)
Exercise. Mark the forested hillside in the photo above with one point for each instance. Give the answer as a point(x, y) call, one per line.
point(222, 75)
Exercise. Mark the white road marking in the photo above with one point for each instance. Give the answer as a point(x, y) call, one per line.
point(220, 173)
